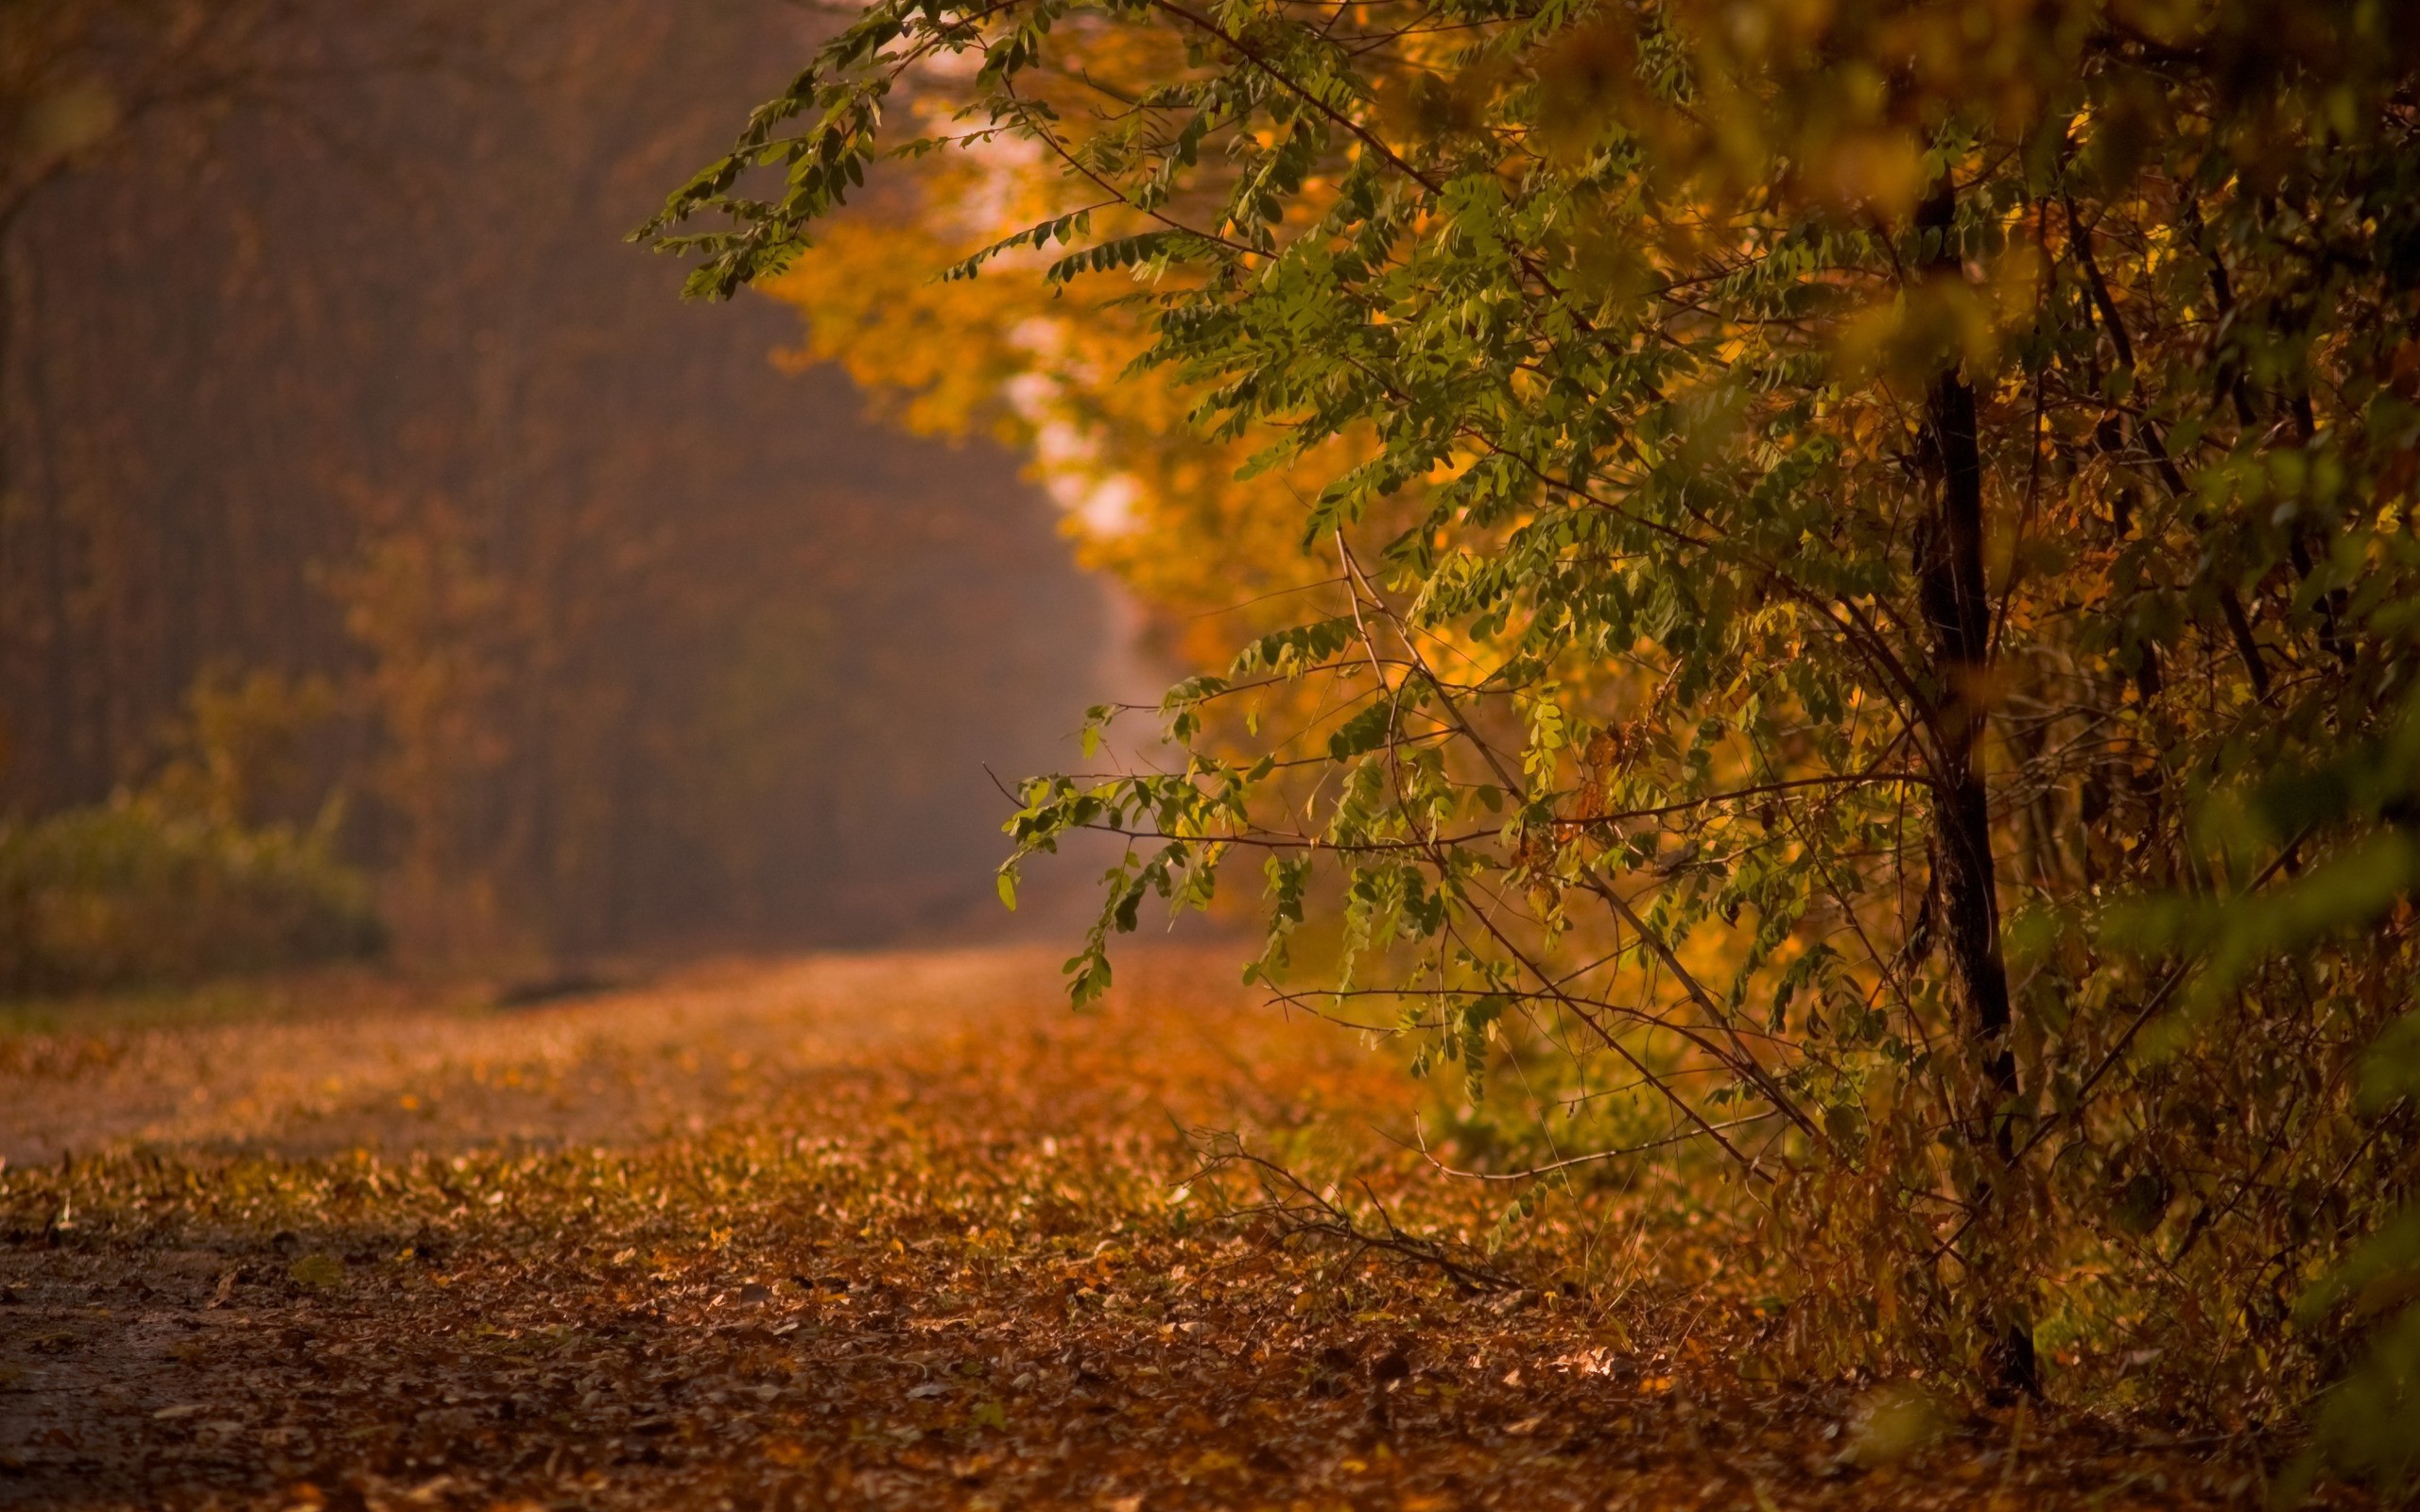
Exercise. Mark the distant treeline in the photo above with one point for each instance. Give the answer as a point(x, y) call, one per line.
point(357, 476)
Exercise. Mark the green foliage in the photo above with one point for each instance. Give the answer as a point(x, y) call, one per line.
point(1864, 539)
point(2372, 1301)
point(135, 892)
point(2364, 1423)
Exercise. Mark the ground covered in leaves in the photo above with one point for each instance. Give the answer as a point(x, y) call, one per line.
point(868, 1231)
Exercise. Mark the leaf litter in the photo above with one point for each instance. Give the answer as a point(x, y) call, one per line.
point(974, 1260)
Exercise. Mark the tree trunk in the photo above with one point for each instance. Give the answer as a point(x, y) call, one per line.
point(1958, 621)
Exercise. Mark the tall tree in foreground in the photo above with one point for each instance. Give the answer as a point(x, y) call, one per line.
point(1868, 560)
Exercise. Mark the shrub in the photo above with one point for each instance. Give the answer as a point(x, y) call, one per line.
point(136, 892)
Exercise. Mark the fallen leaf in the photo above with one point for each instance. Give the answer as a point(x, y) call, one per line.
point(1893, 1423)
point(320, 1272)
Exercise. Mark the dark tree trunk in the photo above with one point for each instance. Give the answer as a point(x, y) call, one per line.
point(1958, 621)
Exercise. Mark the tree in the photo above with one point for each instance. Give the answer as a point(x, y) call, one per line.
point(1859, 539)
point(329, 370)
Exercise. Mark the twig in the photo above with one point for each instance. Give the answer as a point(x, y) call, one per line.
point(1297, 1209)
point(1552, 1166)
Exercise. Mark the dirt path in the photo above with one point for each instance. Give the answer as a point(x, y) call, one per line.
point(619, 1067)
point(874, 1231)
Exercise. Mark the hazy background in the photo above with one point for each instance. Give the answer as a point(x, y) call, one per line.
point(357, 472)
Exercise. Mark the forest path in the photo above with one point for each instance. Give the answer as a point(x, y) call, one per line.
point(880, 1231)
point(421, 1071)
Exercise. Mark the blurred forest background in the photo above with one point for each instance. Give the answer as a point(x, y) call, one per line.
point(371, 512)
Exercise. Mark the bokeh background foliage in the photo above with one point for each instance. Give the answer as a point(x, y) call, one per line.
point(129, 893)
point(1821, 590)
point(346, 451)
